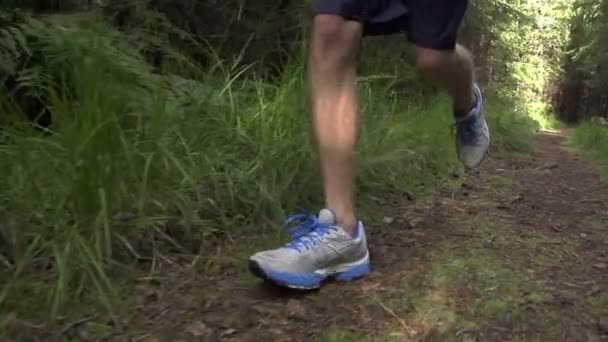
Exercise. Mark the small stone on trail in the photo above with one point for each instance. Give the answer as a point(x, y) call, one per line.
point(295, 309)
point(516, 198)
point(388, 220)
point(228, 332)
point(414, 222)
point(600, 265)
point(198, 329)
point(549, 166)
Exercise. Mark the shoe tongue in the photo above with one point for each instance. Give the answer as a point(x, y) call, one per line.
point(326, 216)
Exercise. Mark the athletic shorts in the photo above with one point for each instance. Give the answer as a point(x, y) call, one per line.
point(432, 24)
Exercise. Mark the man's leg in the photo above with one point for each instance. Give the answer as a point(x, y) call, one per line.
point(333, 243)
point(335, 110)
point(452, 69)
point(433, 28)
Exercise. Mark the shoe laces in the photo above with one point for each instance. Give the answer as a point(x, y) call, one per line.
point(466, 130)
point(306, 230)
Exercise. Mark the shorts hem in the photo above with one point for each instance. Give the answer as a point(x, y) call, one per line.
point(337, 12)
point(441, 46)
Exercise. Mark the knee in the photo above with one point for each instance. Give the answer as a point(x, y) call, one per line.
point(430, 61)
point(327, 28)
point(334, 39)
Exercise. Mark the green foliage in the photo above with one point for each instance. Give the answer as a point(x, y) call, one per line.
point(511, 126)
point(591, 52)
point(593, 138)
point(518, 48)
point(582, 92)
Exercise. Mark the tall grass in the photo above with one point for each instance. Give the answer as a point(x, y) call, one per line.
point(136, 158)
point(593, 138)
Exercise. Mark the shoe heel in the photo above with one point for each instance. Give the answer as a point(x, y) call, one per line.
point(354, 272)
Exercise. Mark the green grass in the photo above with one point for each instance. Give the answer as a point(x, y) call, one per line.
point(139, 162)
point(593, 139)
point(510, 124)
point(540, 112)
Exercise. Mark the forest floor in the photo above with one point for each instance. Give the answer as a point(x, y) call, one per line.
point(517, 252)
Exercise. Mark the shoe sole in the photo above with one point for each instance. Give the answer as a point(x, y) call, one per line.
point(316, 280)
point(485, 156)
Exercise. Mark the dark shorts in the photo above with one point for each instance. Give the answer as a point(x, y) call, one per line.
point(431, 24)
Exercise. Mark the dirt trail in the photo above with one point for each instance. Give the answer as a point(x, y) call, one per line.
point(518, 253)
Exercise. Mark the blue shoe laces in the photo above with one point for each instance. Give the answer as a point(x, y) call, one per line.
point(305, 230)
point(466, 130)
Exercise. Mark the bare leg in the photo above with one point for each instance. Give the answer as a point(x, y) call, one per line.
point(454, 71)
point(335, 110)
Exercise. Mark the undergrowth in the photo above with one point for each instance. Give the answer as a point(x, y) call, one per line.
point(139, 163)
point(592, 138)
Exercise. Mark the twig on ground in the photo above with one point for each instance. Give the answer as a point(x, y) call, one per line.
point(401, 321)
point(142, 337)
point(129, 246)
point(171, 240)
point(75, 324)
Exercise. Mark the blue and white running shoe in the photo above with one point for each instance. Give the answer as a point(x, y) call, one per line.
point(319, 250)
point(473, 135)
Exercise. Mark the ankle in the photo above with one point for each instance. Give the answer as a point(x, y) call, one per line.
point(348, 223)
point(463, 108)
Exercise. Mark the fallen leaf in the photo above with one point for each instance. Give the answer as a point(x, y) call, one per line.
point(198, 329)
point(556, 228)
point(516, 198)
point(388, 220)
point(570, 284)
point(228, 332)
point(600, 265)
point(418, 233)
point(549, 166)
point(414, 222)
